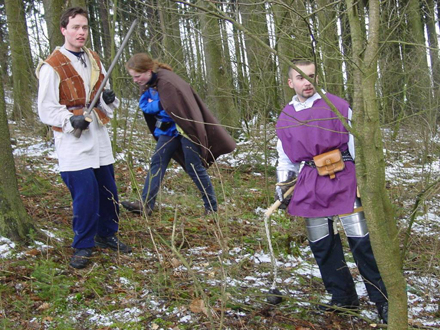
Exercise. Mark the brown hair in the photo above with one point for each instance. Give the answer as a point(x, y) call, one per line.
point(141, 63)
point(72, 12)
point(299, 62)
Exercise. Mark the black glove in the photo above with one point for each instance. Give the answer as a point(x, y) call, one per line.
point(79, 122)
point(288, 180)
point(279, 191)
point(108, 96)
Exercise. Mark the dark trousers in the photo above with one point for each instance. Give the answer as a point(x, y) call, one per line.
point(95, 204)
point(165, 148)
point(335, 274)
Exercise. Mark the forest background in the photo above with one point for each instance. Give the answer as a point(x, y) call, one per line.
point(382, 56)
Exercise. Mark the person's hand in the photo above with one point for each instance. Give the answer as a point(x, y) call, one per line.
point(282, 187)
point(108, 96)
point(280, 191)
point(279, 195)
point(79, 122)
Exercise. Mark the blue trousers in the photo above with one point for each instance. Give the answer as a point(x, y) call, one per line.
point(335, 273)
point(95, 204)
point(165, 148)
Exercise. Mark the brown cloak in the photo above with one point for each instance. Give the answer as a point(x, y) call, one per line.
point(186, 108)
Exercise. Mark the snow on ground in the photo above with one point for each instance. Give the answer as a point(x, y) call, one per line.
point(421, 292)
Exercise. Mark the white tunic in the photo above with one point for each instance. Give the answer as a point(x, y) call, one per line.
point(93, 149)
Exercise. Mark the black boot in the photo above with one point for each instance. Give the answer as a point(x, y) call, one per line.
point(137, 207)
point(382, 310)
point(81, 258)
point(113, 243)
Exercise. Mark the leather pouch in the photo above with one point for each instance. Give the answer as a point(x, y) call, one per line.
point(329, 163)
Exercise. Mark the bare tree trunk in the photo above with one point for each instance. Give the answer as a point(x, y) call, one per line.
point(172, 43)
point(262, 74)
point(4, 49)
point(23, 76)
point(292, 33)
point(347, 50)
point(370, 164)
point(52, 11)
point(392, 82)
point(76, 3)
point(154, 32)
point(433, 55)
point(418, 90)
point(331, 54)
point(219, 82)
point(15, 223)
point(242, 85)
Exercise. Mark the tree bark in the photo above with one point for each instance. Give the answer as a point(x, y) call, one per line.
point(153, 28)
point(15, 223)
point(219, 83)
point(23, 76)
point(96, 32)
point(418, 89)
point(172, 42)
point(370, 164)
point(76, 3)
point(433, 54)
point(292, 37)
point(4, 49)
point(262, 75)
point(53, 10)
point(331, 54)
point(242, 85)
point(392, 82)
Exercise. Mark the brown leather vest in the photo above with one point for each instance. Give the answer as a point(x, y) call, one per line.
point(72, 90)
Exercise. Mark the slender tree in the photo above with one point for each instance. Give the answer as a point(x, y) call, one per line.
point(392, 79)
point(328, 39)
point(418, 89)
point(219, 82)
point(292, 31)
point(172, 41)
point(76, 3)
point(97, 11)
point(52, 13)
point(263, 92)
point(23, 76)
point(429, 16)
point(370, 164)
point(346, 50)
point(154, 35)
point(4, 44)
point(15, 223)
point(241, 81)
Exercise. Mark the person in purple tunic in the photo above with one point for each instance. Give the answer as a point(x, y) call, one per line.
point(306, 128)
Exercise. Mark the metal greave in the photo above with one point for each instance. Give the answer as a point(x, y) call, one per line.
point(355, 224)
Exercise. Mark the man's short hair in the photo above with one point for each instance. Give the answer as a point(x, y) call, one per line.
point(72, 12)
point(297, 62)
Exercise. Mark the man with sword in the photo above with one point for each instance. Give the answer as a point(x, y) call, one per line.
point(69, 79)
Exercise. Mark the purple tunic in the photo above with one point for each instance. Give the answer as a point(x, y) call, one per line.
point(305, 134)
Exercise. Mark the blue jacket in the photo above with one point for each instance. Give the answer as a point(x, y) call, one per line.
point(155, 108)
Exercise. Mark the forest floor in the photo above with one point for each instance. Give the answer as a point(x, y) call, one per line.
point(189, 271)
